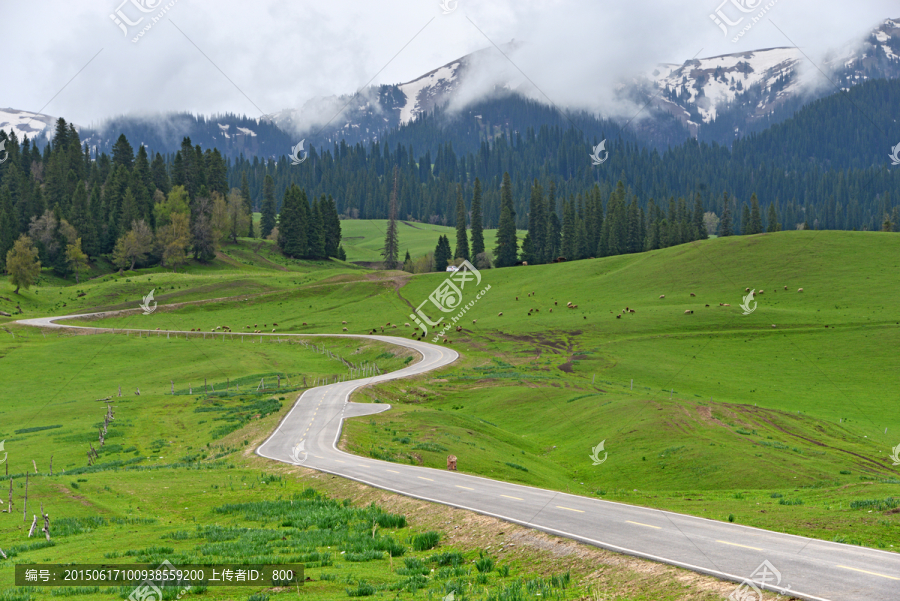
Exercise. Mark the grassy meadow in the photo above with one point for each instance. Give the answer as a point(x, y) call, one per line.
point(711, 413)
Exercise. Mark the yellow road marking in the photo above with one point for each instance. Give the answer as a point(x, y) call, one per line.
point(339, 461)
point(393, 471)
point(867, 572)
point(568, 508)
point(317, 457)
point(725, 542)
point(640, 524)
point(466, 487)
point(509, 497)
point(423, 478)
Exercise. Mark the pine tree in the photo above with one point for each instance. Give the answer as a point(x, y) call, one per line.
point(8, 226)
point(772, 218)
point(292, 226)
point(123, 153)
point(391, 242)
point(316, 228)
point(699, 224)
point(725, 222)
point(248, 203)
point(332, 225)
point(507, 244)
point(442, 254)
point(755, 217)
point(746, 222)
point(537, 225)
point(477, 221)
point(569, 243)
point(462, 240)
point(267, 221)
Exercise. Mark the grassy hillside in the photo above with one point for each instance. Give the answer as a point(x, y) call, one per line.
point(729, 417)
point(363, 240)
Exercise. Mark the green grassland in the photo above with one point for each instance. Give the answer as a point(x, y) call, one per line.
point(364, 239)
point(729, 417)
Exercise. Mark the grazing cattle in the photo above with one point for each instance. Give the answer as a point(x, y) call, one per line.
point(500, 314)
point(459, 328)
point(692, 294)
point(406, 324)
point(688, 312)
point(707, 305)
point(345, 329)
point(773, 325)
point(761, 291)
point(344, 322)
point(785, 287)
point(273, 330)
point(517, 298)
point(726, 305)
point(388, 323)
point(274, 324)
point(662, 296)
point(555, 303)
point(746, 290)
point(445, 341)
point(304, 323)
point(618, 317)
point(631, 310)
point(474, 321)
point(551, 309)
point(800, 290)
point(255, 325)
point(721, 304)
point(525, 263)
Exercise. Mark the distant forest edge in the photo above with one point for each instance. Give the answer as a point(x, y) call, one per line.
point(825, 168)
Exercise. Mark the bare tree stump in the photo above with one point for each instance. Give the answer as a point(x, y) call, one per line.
point(2, 554)
point(51, 465)
point(33, 524)
point(35, 465)
point(25, 503)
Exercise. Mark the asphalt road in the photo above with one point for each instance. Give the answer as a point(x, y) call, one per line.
point(806, 568)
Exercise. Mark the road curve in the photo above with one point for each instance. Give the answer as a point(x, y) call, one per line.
point(807, 568)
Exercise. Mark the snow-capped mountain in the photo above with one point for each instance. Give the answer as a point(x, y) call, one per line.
point(24, 123)
point(746, 91)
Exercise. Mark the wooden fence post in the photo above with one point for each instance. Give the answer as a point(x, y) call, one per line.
point(25, 503)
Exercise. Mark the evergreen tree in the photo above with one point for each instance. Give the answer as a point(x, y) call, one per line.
point(292, 226)
point(80, 218)
point(159, 175)
point(477, 221)
point(122, 153)
point(725, 221)
point(554, 240)
point(442, 254)
point(8, 225)
point(699, 224)
point(462, 240)
point(332, 226)
point(316, 229)
point(537, 225)
point(248, 203)
point(507, 243)
point(391, 242)
point(267, 221)
point(755, 217)
point(772, 219)
point(569, 243)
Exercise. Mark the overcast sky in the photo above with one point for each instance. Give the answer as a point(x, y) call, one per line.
point(263, 56)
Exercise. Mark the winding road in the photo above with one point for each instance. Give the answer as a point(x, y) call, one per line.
point(803, 567)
